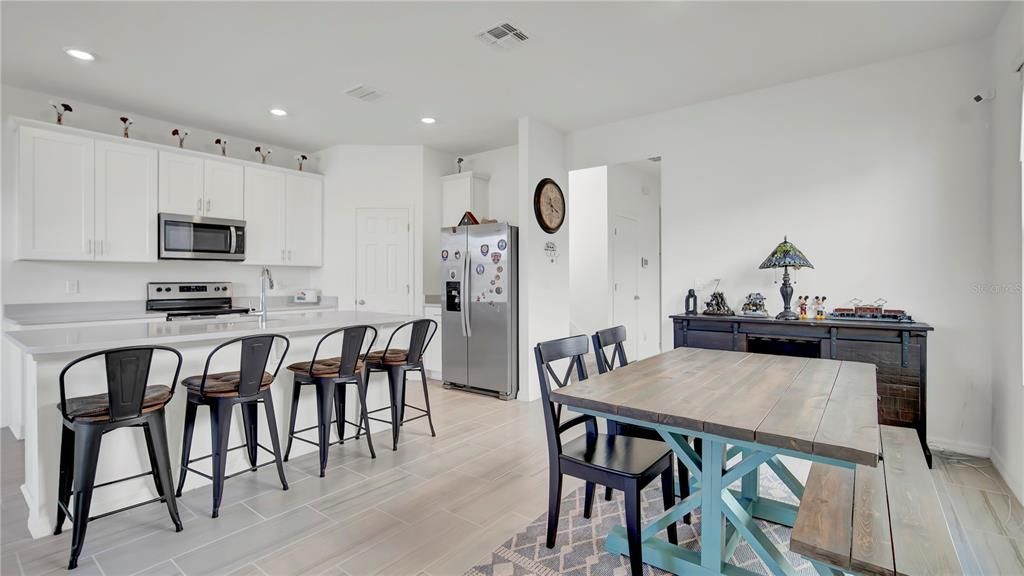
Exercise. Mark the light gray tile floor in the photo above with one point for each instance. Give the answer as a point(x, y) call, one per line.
point(436, 507)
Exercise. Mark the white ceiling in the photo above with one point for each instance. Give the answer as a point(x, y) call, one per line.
point(223, 65)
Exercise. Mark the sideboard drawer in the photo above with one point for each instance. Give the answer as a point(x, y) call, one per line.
point(709, 340)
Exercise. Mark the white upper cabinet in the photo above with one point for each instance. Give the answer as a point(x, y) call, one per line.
point(304, 220)
point(264, 217)
point(224, 190)
point(126, 203)
point(90, 196)
point(461, 193)
point(195, 186)
point(55, 196)
point(181, 184)
point(283, 218)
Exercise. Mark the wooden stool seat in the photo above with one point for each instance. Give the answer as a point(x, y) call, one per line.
point(221, 384)
point(96, 408)
point(390, 357)
point(323, 368)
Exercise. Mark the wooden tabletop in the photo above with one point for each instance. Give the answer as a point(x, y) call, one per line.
point(826, 408)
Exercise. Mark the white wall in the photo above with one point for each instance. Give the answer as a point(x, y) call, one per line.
point(368, 177)
point(636, 194)
point(25, 282)
point(543, 285)
point(1004, 297)
point(590, 306)
point(880, 174)
point(435, 165)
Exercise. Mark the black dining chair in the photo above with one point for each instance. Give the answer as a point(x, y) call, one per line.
point(129, 402)
point(248, 386)
point(331, 377)
point(615, 338)
point(398, 362)
point(620, 462)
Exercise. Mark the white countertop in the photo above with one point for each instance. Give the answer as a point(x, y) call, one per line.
point(27, 315)
point(98, 337)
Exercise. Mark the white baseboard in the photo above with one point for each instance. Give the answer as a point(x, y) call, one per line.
point(959, 446)
point(1004, 471)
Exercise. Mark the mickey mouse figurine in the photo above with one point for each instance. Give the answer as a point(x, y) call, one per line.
point(802, 304)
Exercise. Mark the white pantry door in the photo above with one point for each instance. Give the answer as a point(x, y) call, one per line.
point(383, 278)
point(626, 281)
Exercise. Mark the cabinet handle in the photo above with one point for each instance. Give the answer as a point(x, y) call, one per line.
point(208, 204)
point(199, 205)
point(88, 246)
point(289, 255)
point(283, 255)
point(101, 246)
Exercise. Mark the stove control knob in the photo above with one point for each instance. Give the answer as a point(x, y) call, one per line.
point(159, 289)
point(216, 288)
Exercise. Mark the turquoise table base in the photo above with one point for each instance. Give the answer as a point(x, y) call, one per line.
point(727, 515)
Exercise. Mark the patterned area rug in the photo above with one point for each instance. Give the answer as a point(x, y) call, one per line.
point(579, 548)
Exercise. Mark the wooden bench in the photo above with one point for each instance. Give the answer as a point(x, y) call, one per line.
point(884, 521)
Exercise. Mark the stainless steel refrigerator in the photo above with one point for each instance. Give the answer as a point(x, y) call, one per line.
point(480, 309)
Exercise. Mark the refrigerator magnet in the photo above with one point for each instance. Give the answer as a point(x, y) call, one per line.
point(479, 268)
point(496, 257)
point(444, 255)
point(484, 249)
point(502, 244)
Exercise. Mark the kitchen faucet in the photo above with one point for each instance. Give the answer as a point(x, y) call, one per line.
point(266, 279)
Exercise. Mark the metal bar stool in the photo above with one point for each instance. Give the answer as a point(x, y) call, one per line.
point(249, 386)
point(331, 377)
point(398, 362)
point(129, 401)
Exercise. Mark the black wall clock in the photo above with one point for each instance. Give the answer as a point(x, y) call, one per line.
point(549, 205)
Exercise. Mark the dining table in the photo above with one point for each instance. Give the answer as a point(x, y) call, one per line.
point(748, 410)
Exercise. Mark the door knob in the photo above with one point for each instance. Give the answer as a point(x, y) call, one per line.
point(361, 302)
point(636, 297)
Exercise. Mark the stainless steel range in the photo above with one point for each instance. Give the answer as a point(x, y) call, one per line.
point(192, 300)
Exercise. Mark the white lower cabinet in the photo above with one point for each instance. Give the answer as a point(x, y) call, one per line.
point(432, 359)
point(80, 199)
point(283, 218)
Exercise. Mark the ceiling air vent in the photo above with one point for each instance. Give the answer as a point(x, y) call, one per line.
point(503, 35)
point(364, 93)
point(655, 158)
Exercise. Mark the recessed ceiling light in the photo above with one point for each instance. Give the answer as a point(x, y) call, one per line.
point(79, 54)
point(427, 120)
point(278, 112)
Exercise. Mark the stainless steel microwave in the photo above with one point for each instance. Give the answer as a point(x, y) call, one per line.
point(185, 237)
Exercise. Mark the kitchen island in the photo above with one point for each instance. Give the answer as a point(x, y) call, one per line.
point(45, 352)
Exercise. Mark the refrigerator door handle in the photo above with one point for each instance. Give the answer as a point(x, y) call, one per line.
point(467, 329)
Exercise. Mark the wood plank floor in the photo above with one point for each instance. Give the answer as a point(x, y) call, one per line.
point(435, 507)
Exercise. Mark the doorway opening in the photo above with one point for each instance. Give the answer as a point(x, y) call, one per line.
point(615, 252)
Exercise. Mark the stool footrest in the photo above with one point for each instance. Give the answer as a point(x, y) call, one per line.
point(125, 479)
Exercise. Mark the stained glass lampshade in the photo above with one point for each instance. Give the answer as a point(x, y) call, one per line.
point(786, 254)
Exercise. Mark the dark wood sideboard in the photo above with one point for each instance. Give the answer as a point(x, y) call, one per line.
point(898, 349)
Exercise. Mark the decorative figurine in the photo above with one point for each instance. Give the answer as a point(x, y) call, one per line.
point(716, 305)
point(127, 124)
point(300, 159)
point(857, 310)
point(263, 156)
point(61, 108)
point(691, 302)
point(820, 312)
point(754, 306)
point(458, 162)
point(223, 143)
point(181, 134)
point(803, 307)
